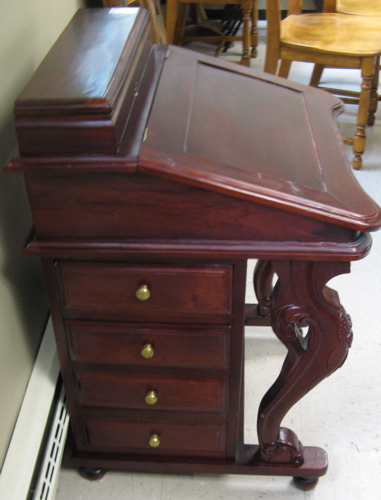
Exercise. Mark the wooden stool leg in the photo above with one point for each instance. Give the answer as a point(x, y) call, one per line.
point(316, 75)
point(359, 140)
point(246, 36)
point(180, 23)
point(374, 94)
point(284, 69)
point(254, 29)
point(171, 19)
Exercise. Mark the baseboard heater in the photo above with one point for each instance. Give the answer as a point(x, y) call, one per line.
point(33, 460)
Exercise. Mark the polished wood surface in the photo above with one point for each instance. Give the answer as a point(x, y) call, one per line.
point(359, 8)
point(175, 439)
point(81, 93)
point(196, 346)
point(240, 162)
point(89, 288)
point(129, 391)
point(327, 39)
point(145, 252)
point(155, 11)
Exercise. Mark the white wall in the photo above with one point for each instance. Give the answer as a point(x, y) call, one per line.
point(28, 29)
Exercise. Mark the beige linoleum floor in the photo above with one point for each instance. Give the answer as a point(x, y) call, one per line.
point(342, 415)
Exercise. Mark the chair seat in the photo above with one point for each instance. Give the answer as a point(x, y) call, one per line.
point(360, 8)
point(333, 33)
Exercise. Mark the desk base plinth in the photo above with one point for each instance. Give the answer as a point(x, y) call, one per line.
point(305, 476)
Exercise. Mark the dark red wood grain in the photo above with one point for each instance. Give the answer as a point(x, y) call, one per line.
point(157, 166)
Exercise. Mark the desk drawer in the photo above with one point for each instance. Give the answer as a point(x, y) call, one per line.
point(113, 435)
point(153, 345)
point(112, 290)
point(152, 393)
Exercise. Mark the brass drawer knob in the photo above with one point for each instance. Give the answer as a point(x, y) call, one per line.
point(151, 398)
point(147, 351)
point(143, 293)
point(154, 441)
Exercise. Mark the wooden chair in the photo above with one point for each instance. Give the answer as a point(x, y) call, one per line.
point(176, 11)
point(358, 8)
point(327, 39)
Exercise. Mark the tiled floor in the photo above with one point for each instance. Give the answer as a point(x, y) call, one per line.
point(342, 415)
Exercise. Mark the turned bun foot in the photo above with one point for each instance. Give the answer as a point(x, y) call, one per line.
point(357, 162)
point(305, 483)
point(92, 473)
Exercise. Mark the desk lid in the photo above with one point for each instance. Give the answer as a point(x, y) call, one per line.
point(253, 136)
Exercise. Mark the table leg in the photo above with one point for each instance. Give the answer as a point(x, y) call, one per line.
point(301, 299)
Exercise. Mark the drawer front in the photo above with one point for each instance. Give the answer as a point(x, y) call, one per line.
point(112, 435)
point(113, 290)
point(152, 393)
point(155, 345)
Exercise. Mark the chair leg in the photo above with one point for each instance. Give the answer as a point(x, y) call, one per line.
point(254, 29)
point(284, 69)
point(180, 23)
point(171, 19)
point(359, 140)
point(374, 94)
point(246, 36)
point(271, 61)
point(316, 75)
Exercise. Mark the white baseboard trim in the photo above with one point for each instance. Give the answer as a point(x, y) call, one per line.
point(47, 480)
point(24, 447)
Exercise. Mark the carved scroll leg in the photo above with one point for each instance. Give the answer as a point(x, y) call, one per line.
point(263, 286)
point(301, 299)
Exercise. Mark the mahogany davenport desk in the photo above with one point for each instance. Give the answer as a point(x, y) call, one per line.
point(154, 174)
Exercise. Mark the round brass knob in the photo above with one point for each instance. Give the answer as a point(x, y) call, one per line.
point(154, 441)
point(143, 293)
point(151, 398)
point(147, 351)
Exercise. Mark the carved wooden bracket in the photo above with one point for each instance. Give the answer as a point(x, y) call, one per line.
point(300, 299)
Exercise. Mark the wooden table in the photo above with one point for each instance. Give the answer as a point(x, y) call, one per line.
point(154, 174)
